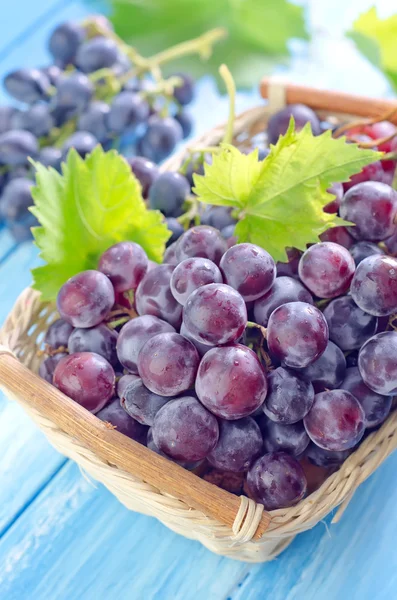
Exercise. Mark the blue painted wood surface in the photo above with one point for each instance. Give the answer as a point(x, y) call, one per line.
point(63, 538)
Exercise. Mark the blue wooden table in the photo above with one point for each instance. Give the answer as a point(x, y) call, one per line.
point(62, 537)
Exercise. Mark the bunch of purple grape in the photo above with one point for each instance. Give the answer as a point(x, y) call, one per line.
point(87, 96)
point(223, 360)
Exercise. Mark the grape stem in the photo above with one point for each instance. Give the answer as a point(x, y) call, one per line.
point(253, 325)
point(361, 122)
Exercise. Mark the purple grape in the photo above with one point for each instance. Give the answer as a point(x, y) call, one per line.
point(336, 190)
point(140, 403)
point(290, 268)
point(65, 41)
point(145, 171)
point(97, 53)
point(363, 249)
point(169, 255)
point(228, 233)
point(240, 442)
point(377, 363)
point(93, 120)
point(338, 235)
point(168, 364)
point(53, 73)
point(57, 335)
point(369, 174)
point(99, 339)
point(279, 437)
point(123, 382)
point(231, 382)
point(125, 264)
point(285, 289)
point(297, 334)
point(279, 122)
point(185, 430)
point(160, 139)
point(168, 193)
point(127, 111)
point(16, 199)
point(50, 157)
point(27, 85)
point(186, 464)
point(276, 480)
point(191, 274)
point(201, 241)
point(289, 398)
point(86, 299)
point(17, 146)
point(114, 414)
point(328, 459)
point(326, 269)
point(185, 120)
point(215, 314)
point(184, 93)
point(372, 206)
point(82, 141)
point(336, 420)
point(86, 378)
point(134, 335)
point(248, 269)
point(175, 228)
point(376, 407)
point(154, 296)
point(374, 285)
point(349, 326)
point(47, 367)
point(36, 119)
point(218, 217)
point(6, 115)
point(73, 94)
point(328, 371)
point(200, 347)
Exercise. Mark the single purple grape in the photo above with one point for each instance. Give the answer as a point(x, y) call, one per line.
point(134, 335)
point(376, 407)
point(185, 430)
point(86, 378)
point(99, 339)
point(327, 269)
point(168, 364)
point(154, 296)
point(297, 334)
point(145, 171)
point(377, 363)
point(336, 420)
point(86, 299)
point(285, 289)
point(215, 314)
point(140, 403)
point(289, 397)
point(186, 464)
point(276, 480)
point(123, 382)
point(279, 437)
point(201, 241)
point(374, 285)
point(114, 414)
point(57, 335)
point(200, 347)
point(47, 367)
point(231, 382)
point(328, 459)
point(279, 121)
point(248, 269)
point(240, 442)
point(125, 264)
point(191, 274)
point(349, 326)
point(169, 255)
point(328, 371)
point(363, 249)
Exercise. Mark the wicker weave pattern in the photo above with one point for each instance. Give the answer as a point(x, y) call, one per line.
point(22, 334)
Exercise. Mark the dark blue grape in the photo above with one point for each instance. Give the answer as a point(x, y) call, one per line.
point(363, 249)
point(93, 120)
point(27, 85)
point(279, 122)
point(97, 53)
point(16, 146)
point(326, 458)
point(114, 414)
point(58, 334)
point(36, 119)
point(168, 193)
point(228, 232)
point(53, 72)
point(128, 110)
point(140, 403)
point(47, 367)
point(16, 199)
point(218, 217)
point(21, 230)
point(99, 339)
point(6, 115)
point(50, 157)
point(73, 94)
point(65, 41)
point(176, 228)
point(160, 139)
point(185, 120)
point(145, 171)
point(82, 141)
point(184, 93)
point(280, 437)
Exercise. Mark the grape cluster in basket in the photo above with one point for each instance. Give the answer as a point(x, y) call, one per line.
point(229, 364)
point(97, 90)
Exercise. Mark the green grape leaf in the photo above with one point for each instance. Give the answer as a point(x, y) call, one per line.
point(376, 39)
point(257, 41)
point(281, 199)
point(92, 205)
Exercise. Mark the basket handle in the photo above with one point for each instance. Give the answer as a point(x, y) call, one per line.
point(331, 101)
point(246, 519)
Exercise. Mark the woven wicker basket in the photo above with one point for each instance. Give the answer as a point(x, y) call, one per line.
point(144, 481)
